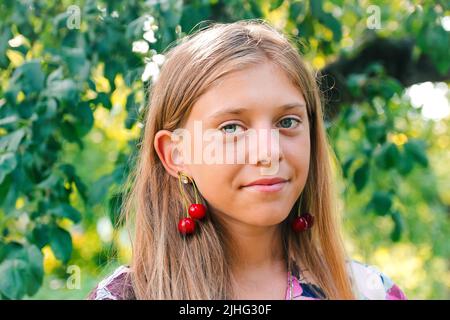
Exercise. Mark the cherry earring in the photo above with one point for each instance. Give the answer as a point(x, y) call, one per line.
point(195, 211)
point(303, 221)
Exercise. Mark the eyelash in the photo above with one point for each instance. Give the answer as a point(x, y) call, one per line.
point(230, 124)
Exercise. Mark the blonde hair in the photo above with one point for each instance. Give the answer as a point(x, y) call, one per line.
point(167, 266)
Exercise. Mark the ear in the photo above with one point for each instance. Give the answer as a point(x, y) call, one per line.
point(168, 153)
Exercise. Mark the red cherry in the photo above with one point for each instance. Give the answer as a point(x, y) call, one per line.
point(186, 226)
point(197, 211)
point(309, 219)
point(299, 224)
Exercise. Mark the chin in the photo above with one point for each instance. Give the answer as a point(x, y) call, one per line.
point(266, 220)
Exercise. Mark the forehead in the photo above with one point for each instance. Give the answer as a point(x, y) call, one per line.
point(260, 87)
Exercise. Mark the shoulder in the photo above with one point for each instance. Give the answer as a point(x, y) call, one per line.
point(117, 286)
point(369, 283)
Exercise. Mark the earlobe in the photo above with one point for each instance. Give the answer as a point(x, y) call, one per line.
point(167, 152)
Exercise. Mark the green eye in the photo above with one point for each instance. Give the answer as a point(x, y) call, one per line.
point(287, 122)
point(230, 128)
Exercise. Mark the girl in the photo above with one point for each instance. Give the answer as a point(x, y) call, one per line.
point(261, 229)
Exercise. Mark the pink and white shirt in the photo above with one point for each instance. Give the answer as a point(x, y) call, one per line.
point(368, 284)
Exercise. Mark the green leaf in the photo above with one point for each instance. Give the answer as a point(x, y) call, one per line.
point(405, 163)
point(8, 120)
point(36, 269)
point(30, 76)
point(29, 262)
point(346, 166)
point(40, 235)
point(8, 163)
point(398, 226)
point(193, 13)
point(81, 187)
point(389, 87)
point(85, 119)
point(100, 189)
point(115, 205)
point(101, 186)
point(172, 17)
point(11, 250)
point(434, 40)
point(5, 194)
point(275, 4)
point(63, 90)
point(361, 176)
point(60, 20)
point(376, 131)
point(329, 21)
point(61, 243)
point(355, 82)
point(326, 18)
point(296, 10)
point(132, 111)
point(103, 99)
point(13, 277)
point(11, 142)
point(69, 131)
point(387, 156)
point(5, 36)
point(316, 7)
point(65, 210)
point(416, 148)
point(381, 202)
point(52, 181)
point(55, 75)
point(135, 27)
point(76, 61)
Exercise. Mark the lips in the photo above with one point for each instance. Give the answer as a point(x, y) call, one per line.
point(266, 185)
point(266, 182)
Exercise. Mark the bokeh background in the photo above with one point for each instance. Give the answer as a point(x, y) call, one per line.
point(73, 84)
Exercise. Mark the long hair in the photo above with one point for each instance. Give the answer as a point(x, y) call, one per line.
point(166, 265)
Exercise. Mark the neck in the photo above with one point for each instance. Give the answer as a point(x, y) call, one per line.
point(255, 247)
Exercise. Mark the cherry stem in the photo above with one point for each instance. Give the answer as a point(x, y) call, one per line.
point(183, 195)
point(300, 205)
point(195, 190)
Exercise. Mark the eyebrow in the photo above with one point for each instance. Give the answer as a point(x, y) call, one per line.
point(237, 111)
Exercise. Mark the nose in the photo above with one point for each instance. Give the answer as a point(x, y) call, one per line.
point(265, 149)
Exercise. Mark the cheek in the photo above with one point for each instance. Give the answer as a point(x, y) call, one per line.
point(213, 181)
point(297, 152)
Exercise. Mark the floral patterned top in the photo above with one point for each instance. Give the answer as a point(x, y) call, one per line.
point(368, 284)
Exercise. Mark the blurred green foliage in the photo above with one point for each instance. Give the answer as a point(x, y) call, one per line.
point(73, 78)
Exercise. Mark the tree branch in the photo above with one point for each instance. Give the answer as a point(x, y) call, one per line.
point(395, 55)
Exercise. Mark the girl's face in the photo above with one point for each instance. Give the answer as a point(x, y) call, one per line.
point(261, 94)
